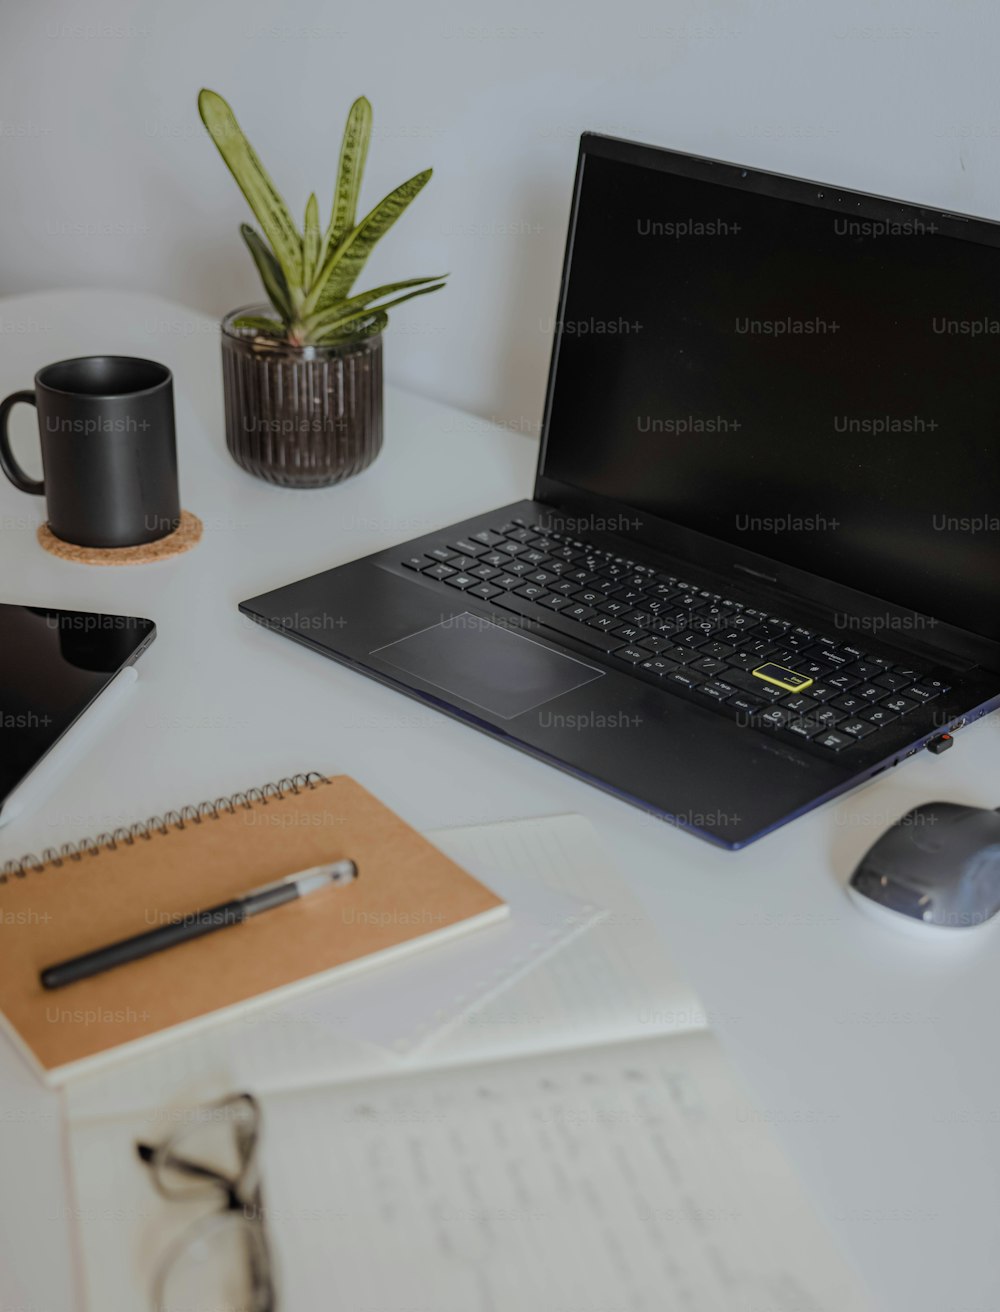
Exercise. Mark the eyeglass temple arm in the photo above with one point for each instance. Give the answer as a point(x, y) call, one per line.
point(147, 1152)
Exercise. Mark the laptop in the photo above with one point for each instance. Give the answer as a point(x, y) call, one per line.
point(761, 560)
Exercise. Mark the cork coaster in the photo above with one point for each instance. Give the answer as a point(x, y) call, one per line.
point(186, 535)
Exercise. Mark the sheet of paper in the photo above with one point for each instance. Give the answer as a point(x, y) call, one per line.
point(629, 1176)
point(614, 982)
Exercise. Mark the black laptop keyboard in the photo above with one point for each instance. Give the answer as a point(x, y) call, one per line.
point(765, 671)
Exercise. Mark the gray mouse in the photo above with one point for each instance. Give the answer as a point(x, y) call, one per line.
point(938, 866)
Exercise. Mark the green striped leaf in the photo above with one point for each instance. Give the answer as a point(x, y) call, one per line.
point(262, 196)
point(310, 242)
point(270, 272)
point(346, 261)
point(353, 154)
point(353, 332)
point(361, 305)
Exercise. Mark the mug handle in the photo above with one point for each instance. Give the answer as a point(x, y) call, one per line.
point(7, 462)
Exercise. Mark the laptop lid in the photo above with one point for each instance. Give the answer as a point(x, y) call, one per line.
point(787, 382)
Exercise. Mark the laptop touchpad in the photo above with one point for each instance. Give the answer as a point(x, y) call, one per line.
point(487, 665)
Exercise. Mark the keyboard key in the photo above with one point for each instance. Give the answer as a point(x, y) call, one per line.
point(629, 633)
point(466, 548)
point(717, 691)
point(681, 655)
point(507, 581)
point(833, 740)
point(578, 612)
point(878, 715)
point(613, 607)
point(891, 680)
point(485, 572)
point(707, 665)
point(439, 571)
point(659, 666)
point(606, 622)
point(803, 664)
point(922, 691)
point(830, 656)
point(842, 681)
point(534, 557)
point(871, 692)
point(564, 588)
point(416, 562)
point(822, 692)
point(655, 644)
point(634, 655)
point(533, 591)
point(936, 684)
point(899, 704)
point(495, 558)
point(441, 553)
point(554, 602)
point(686, 678)
point(907, 671)
point(733, 637)
point(856, 728)
point(848, 702)
point(775, 717)
point(487, 537)
point(799, 703)
point(804, 726)
point(717, 649)
point(587, 597)
point(484, 591)
point(541, 576)
point(866, 669)
point(775, 628)
point(465, 564)
point(744, 702)
point(462, 581)
point(761, 647)
point(744, 660)
point(826, 716)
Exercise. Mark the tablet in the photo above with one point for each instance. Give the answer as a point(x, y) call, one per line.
point(54, 666)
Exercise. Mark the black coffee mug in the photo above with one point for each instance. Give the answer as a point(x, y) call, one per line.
point(109, 456)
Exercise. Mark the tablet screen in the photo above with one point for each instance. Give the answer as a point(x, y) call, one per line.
point(53, 663)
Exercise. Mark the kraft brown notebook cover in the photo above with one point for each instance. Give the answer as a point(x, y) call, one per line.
point(407, 895)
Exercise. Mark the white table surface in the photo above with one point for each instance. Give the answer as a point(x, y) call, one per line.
point(874, 1054)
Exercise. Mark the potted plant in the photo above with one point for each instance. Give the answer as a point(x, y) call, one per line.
point(303, 374)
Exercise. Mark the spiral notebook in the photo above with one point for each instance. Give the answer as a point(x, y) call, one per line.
point(408, 895)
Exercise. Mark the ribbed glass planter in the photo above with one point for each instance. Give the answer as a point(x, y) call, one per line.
point(300, 416)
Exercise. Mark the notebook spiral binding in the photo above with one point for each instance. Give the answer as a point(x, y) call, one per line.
point(156, 824)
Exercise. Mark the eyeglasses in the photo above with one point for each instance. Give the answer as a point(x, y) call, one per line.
point(221, 1262)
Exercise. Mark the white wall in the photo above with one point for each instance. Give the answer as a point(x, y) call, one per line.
point(106, 176)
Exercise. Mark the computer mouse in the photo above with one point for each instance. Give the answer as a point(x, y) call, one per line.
point(937, 867)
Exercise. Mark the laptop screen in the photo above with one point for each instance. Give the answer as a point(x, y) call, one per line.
point(787, 377)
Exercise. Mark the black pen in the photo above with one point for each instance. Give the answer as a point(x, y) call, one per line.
point(199, 923)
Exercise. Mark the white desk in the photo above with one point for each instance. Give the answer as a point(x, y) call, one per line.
point(874, 1055)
